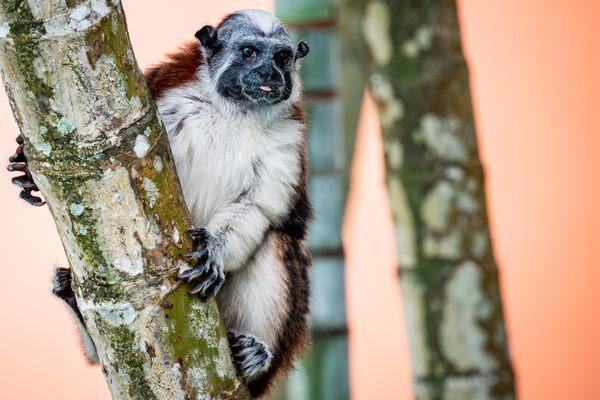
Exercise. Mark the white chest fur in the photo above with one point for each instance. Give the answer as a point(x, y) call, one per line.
point(220, 156)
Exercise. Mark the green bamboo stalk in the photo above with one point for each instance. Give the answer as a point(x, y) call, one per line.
point(448, 274)
point(101, 158)
point(334, 79)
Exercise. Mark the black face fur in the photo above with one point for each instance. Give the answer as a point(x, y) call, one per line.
point(253, 65)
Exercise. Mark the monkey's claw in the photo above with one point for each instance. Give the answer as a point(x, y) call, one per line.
point(18, 163)
point(208, 278)
point(250, 355)
point(207, 275)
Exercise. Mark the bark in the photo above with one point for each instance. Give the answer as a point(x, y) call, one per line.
point(448, 273)
point(101, 158)
point(334, 77)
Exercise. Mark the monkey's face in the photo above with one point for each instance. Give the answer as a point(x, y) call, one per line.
point(259, 73)
point(251, 58)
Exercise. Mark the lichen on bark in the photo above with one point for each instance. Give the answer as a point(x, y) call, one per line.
point(81, 102)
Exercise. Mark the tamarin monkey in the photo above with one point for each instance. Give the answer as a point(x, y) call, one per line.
point(231, 103)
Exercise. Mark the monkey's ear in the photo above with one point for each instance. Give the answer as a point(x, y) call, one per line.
point(302, 50)
point(208, 37)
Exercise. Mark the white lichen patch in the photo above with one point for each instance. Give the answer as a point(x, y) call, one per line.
point(223, 364)
point(446, 246)
point(39, 68)
point(176, 235)
point(135, 103)
point(469, 387)
point(394, 154)
point(100, 7)
point(376, 30)
point(76, 209)
point(4, 29)
point(160, 370)
point(414, 314)
point(151, 191)
point(199, 380)
point(391, 109)
point(462, 338)
point(158, 164)
point(65, 126)
point(114, 314)
point(148, 131)
point(406, 244)
point(442, 137)
point(202, 320)
point(420, 42)
point(123, 228)
point(141, 147)
point(80, 12)
point(437, 206)
point(466, 203)
point(44, 147)
point(82, 229)
point(454, 173)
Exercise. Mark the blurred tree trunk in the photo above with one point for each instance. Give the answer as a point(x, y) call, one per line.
point(448, 274)
point(334, 78)
point(101, 158)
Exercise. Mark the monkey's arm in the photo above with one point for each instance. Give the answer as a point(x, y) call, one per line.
point(238, 230)
point(235, 232)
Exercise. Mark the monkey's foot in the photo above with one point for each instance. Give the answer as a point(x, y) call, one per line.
point(18, 163)
point(62, 283)
point(250, 355)
point(207, 274)
point(61, 288)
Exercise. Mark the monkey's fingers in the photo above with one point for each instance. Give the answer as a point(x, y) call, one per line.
point(18, 167)
point(24, 182)
point(33, 200)
point(192, 273)
point(19, 156)
point(211, 283)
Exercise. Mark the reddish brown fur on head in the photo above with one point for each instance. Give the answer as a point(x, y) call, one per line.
point(179, 68)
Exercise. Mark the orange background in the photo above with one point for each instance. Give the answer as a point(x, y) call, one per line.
point(536, 82)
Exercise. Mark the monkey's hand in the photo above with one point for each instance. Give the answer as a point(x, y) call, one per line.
point(207, 275)
point(18, 162)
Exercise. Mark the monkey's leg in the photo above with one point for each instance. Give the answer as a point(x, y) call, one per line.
point(254, 303)
point(18, 162)
point(62, 289)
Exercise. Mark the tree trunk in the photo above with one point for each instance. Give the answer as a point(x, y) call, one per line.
point(334, 78)
point(435, 181)
point(101, 158)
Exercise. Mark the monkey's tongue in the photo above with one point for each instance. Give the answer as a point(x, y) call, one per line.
point(265, 88)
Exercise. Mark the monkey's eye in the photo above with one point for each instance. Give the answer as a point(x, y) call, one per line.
point(247, 52)
point(283, 57)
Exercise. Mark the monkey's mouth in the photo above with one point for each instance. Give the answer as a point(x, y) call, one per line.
point(266, 94)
